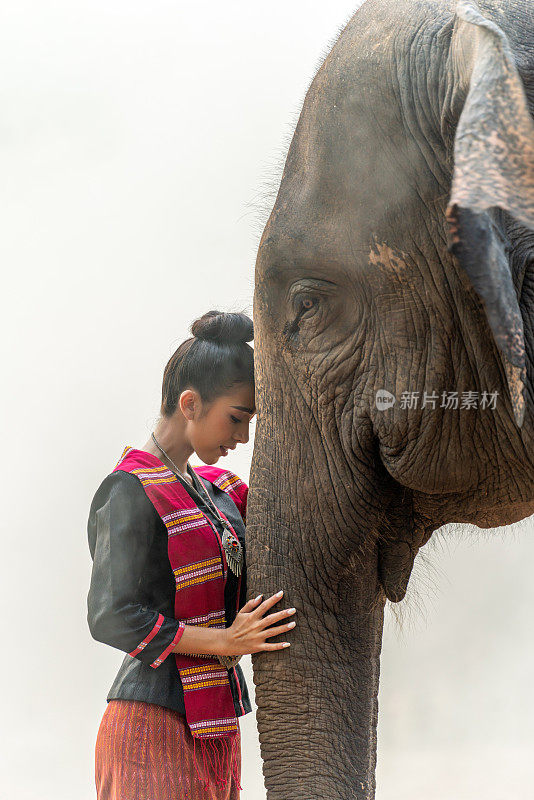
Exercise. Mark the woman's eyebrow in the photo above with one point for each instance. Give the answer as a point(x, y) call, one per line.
point(243, 408)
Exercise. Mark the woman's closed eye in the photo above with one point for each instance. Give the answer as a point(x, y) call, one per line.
point(234, 419)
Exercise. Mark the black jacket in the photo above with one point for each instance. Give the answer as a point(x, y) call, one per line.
point(132, 583)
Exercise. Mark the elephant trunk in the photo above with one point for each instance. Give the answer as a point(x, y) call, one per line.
point(317, 699)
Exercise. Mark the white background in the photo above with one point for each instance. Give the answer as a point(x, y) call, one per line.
point(136, 142)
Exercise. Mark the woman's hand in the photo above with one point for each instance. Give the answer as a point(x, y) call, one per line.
point(248, 633)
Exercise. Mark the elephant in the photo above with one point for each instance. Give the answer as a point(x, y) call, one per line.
point(394, 353)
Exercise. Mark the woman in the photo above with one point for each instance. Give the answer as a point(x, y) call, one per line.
point(168, 584)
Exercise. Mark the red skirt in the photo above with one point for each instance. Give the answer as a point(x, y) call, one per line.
point(146, 752)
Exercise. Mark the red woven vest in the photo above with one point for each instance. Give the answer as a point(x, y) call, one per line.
point(200, 570)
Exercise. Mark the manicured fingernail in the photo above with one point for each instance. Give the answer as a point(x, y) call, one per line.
point(291, 610)
point(291, 624)
point(286, 644)
point(257, 598)
point(280, 593)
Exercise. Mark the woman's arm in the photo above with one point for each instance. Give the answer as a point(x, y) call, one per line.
point(122, 524)
point(247, 634)
point(202, 641)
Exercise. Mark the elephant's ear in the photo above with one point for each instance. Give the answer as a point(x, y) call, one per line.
point(493, 168)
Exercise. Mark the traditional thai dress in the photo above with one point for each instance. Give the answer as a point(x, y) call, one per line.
point(170, 729)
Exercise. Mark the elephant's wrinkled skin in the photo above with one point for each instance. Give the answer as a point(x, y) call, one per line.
point(398, 256)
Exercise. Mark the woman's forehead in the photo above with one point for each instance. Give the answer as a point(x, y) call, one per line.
point(242, 399)
point(244, 408)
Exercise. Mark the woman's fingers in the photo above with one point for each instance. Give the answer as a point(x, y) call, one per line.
point(250, 605)
point(277, 616)
point(257, 624)
point(267, 604)
point(279, 629)
point(271, 646)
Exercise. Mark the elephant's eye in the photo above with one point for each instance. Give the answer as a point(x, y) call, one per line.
point(305, 305)
point(307, 301)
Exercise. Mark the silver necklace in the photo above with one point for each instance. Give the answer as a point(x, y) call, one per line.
point(179, 471)
point(230, 542)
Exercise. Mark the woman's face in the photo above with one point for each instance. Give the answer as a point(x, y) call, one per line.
point(222, 424)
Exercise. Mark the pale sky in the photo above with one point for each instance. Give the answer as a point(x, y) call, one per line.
point(137, 142)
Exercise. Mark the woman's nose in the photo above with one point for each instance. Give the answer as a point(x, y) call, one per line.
point(242, 435)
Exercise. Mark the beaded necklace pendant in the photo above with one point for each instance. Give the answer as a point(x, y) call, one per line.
point(232, 547)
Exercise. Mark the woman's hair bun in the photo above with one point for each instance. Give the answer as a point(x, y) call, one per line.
point(223, 327)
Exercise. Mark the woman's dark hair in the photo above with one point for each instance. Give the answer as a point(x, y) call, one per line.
point(216, 358)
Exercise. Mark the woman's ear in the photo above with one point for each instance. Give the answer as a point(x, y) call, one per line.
point(189, 403)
